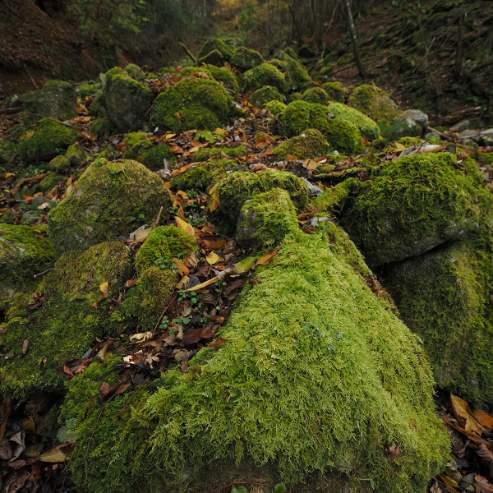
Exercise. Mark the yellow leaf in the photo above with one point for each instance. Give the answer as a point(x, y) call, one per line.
point(141, 336)
point(204, 284)
point(463, 414)
point(53, 456)
point(104, 287)
point(266, 259)
point(214, 198)
point(182, 224)
point(213, 258)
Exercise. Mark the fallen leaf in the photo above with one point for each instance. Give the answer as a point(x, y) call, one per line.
point(484, 419)
point(266, 259)
point(105, 390)
point(182, 224)
point(25, 346)
point(53, 456)
point(104, 288)
point(463, 414)
point(141, 336)
point(482, 484)
point(217, 343)
point(213, 258)
point(181, 267)
point(245, 264)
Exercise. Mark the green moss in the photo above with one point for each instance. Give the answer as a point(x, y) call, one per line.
point(146, 302)
point(101, 127)
point(401, 126)
point(74, 156)
point(265, 94)
point(110, 199)
point(163, 244)
point(315, 95)
point(141, 147)
point(72, 315)
point(414, 204)
point(126, 100)
point(276, 108)
point(24, 251)
point(192, 104)
point(46, 140)
point(344, 136)
point(364, 124)
point(297, 75)
point(88, 89)
point(56, 99)
point(374, 102)
point(336, 91)
point(333, 199)
point(226, 77)
point(135, 72)
point(444, 297)
point(311, 143)
point(206, 153)
point(8, 150)
point(300, 115)
point(246, 58)
point(201, 177)
point(262, 75)
point(235, 189)
point(298, 387)
point(217, 44)
point(265, 220)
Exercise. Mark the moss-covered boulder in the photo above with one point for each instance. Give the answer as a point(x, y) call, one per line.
point(297, 75)
point(276, 108)
point(415, 204)
point(74, 156)
point(125, 99)
point(147, 300)
point(338, 128)
point(229, 194)
point(226, 77)
point(336, 91)
point(262, 75)
point(363, 123)
point(265, 94)
point(374, 102)
point(401, 126)
point(163, 244)
point(56, 99)
point(246, 58)
point(445, 297)
point(73, 313)
point(202, 176)
point(194, 103)
point(45, 140)
point(310, 397)
point(316, 95)
point(24, 252)
point(310, 143)
point(141, 147)
point(266, 219)
point(109, 200)
point(219, 45)
point(206, 153)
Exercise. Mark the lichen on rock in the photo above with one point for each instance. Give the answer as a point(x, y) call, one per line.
point(109, 199)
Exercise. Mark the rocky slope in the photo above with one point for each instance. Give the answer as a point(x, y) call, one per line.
point(191, 293)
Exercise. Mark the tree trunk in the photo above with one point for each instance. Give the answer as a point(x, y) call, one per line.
point(354, 39)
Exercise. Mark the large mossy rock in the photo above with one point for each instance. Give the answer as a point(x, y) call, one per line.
point(35, 343)
point(298, 391)
point(368, 127)
point(125, 99)
point(47, 139)
point(414, 204)
point(310, 143)
point(262, 75)
point(141, 147)
point(229, 194)
point(109, 200)
point(193, 103)
point(246, 58)
point(56, 99)
point(445, 297)
point(374, 102)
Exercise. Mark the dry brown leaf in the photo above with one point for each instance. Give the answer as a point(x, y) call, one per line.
point(53, 456)
point(484, 419)
point(482, 484)
point(181, 267)
point(464, 415)
point(266, 259)
point(182, 224)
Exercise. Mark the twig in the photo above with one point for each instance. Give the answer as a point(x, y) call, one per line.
point(188, 52)
point(158, 217)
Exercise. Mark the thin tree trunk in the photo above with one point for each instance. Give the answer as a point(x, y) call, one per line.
point(354, 39)
point(459, 55)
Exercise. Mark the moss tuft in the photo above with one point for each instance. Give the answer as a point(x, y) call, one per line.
point(126, 100)
point(235, 189)
point(336, 91)
point(163, 244)
point(110, 199)
point(264, 95)
point(374, 102)
point(226, 77)
point(364, 124)
point(315, 95)
point(414, 204)
point(46, 140)
point(301, 115)
point(246, 58)
point(266, 219)
point(295, 359)
point(262, 75)
point(206, 153)
point(276, 108)
point(192, 104)
point(297, 76)
point(72, 315)
point(141, 147)
point(311, 143)
point(217, 44)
